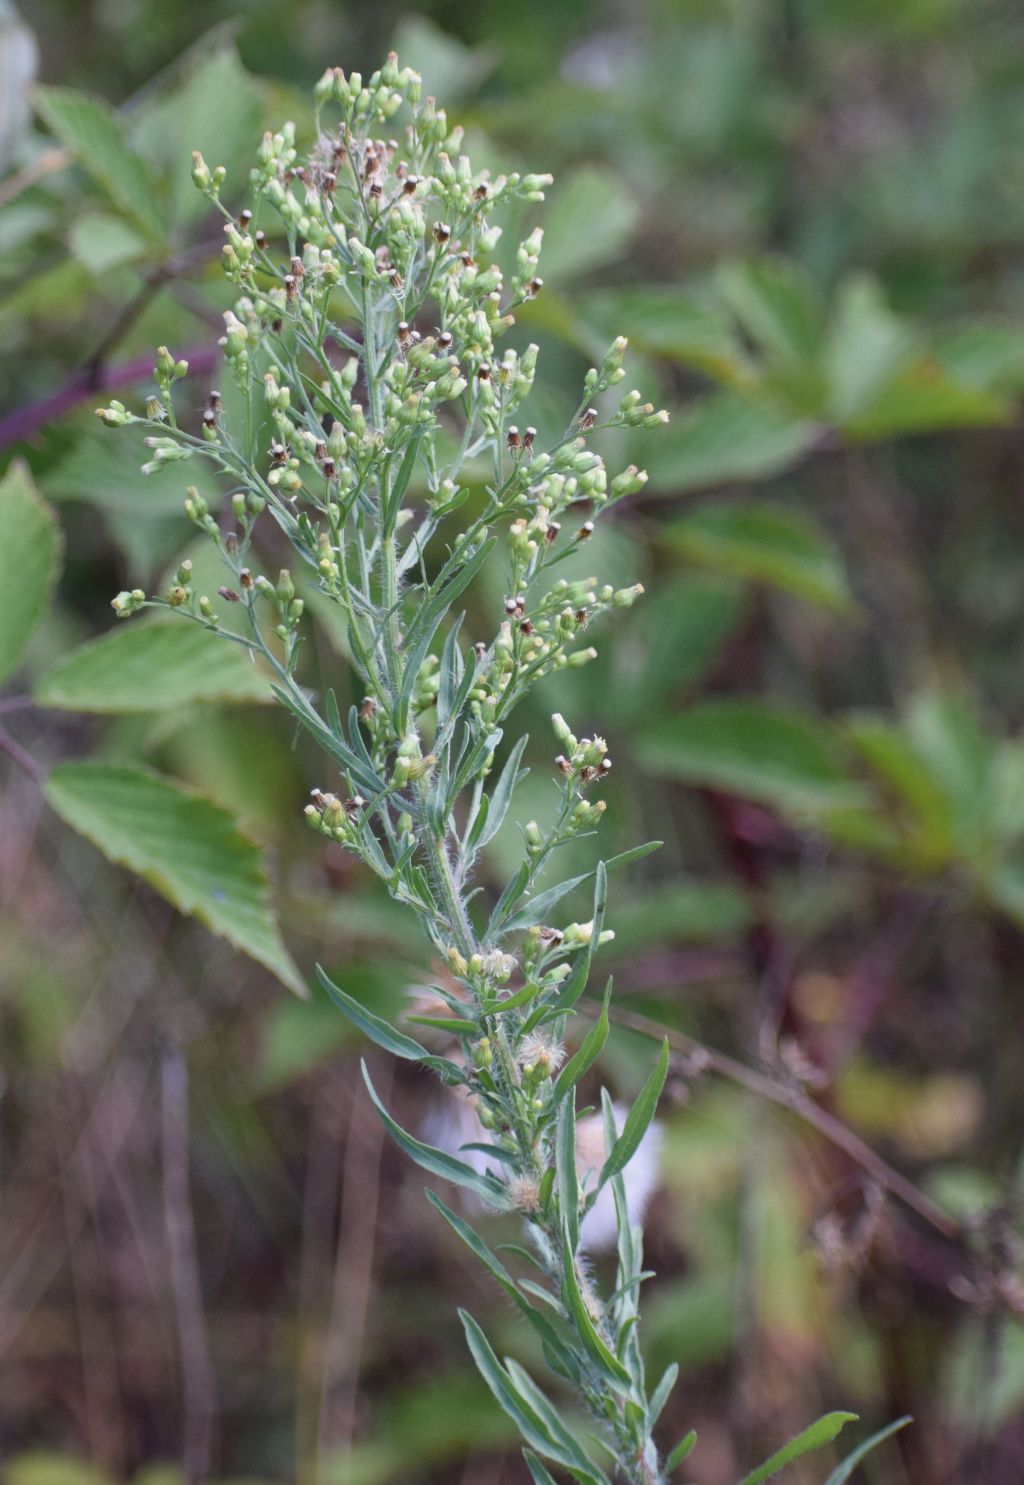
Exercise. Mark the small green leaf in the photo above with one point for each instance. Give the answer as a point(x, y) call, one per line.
point(638, 1119)
point(377, 1029)
point(660, 1395)
point(95, 136)
point(765, 543)
point(682, 1451)
point(769, 753)
point(539, 1473)
point(816, 1437)
point(185, 846)
point(141, 667)
point(843, 1471)
point(438, 1162)
point(30, 543)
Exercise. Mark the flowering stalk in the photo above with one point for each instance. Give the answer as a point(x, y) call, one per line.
point(342, 263)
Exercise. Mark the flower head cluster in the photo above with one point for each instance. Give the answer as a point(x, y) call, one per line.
point(368, 396)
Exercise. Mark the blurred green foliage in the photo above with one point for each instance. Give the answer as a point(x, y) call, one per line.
point(810, 216)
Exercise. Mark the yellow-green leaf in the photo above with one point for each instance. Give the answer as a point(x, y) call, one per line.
point(152, 667)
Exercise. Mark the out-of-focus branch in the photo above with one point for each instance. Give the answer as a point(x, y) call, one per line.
point(798, 1102)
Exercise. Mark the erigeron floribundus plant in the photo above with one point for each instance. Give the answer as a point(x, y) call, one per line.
point(342, 263)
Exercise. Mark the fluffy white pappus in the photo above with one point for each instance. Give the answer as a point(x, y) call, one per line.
point(452, 1124)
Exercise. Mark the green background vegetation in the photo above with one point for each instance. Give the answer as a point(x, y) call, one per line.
point(809, 217)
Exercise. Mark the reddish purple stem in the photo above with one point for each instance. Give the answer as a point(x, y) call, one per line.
point(21, 424)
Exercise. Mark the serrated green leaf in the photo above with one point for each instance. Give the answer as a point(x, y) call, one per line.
point(438, 1162)
point(94, 135)
point(152, 667)
point(638, 1119)
point(765, 752)
point(816, 1437)
point(843, 1471)
point(30, 543)
point(765, 543)
point(216, 108)
point(186, 846)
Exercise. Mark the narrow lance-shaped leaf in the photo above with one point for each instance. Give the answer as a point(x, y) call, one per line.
point(589, 1052)
point(377, 1029)
point(682, 1451)
point(565, 1167)
point(438, 1162)
point(593, 1343)
point(638, 1119)
point(475, 1243)
point(843, 1471)
point(539, 1473)
point(533, 1428)
point(501, 797)
point(816, 1437)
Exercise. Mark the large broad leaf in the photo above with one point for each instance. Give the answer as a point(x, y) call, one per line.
point(766, 543)
point(95, 136)
point(188, 848)
point(746, 747)
point(30, 545)
point(728, 437)
point(660, 318)
point(152, 667)
point(589, 221)
point(778, 307)
point(673, 638)
point(923, 399)
point(867, 346)
point(215, 108)
point(815, 1437)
